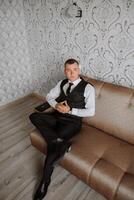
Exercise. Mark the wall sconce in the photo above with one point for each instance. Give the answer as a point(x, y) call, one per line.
point(73, 11)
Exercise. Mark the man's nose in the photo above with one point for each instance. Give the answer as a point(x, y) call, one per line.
point(72, 72)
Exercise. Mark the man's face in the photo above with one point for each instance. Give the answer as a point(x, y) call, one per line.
point(72, 71)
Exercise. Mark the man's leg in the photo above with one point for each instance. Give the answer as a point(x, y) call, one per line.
point(55, 148)
point(45, 123)
point(67, 127)
point(53, 154)
point(47, 172)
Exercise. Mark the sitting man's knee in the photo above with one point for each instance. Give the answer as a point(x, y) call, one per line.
point(33, 116)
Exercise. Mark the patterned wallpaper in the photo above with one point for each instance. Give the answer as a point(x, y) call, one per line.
point(102, 39)
point(45, 33)
point(15, 69)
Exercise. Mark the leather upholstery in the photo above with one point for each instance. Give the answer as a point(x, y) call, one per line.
point(114, 110)
point(102, 154)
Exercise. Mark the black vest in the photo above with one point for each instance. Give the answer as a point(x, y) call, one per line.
point(76, 98)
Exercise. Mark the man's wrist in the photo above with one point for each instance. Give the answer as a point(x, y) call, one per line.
point(70, 112)
point(74, 111)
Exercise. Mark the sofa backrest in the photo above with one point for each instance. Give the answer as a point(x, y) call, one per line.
point(114, 110)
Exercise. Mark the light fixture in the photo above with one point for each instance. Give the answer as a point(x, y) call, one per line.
point(73, 11)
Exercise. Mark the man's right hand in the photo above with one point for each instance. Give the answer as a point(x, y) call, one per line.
point(62, 107)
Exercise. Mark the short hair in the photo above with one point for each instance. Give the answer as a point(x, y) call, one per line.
point(71, 61)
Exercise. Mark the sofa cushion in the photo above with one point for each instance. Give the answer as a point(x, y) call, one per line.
point(114, 110)
point(101, 160)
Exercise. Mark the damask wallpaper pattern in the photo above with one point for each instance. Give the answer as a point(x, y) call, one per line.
point(15, 67)
point(102, 40)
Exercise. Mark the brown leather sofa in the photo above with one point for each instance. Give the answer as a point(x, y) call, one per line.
point(102, 155)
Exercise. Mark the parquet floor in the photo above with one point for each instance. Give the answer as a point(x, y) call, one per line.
point(21, 164)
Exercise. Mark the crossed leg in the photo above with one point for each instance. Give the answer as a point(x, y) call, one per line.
point(57, 130)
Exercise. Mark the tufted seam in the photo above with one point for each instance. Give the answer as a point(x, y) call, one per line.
point(115, 193)
point(99, 90)
point(130, 100)
point(123, 174)
point(89, 174)
point(109, 161)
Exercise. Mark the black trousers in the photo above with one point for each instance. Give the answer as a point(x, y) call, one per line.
point(53, 126)
point(56, 125)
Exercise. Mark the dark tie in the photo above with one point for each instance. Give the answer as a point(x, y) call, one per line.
point(69, 88)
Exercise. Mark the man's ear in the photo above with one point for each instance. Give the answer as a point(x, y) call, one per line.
point(79, 69)
point(64, 71)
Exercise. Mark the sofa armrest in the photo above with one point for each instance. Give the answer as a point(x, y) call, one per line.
point(38, 141)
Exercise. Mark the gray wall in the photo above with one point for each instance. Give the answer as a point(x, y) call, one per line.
point(15, 67)
point(102, 40)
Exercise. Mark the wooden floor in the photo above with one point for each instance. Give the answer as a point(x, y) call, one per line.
point(21, 164)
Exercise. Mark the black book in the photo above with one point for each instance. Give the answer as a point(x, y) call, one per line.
point(42, 107)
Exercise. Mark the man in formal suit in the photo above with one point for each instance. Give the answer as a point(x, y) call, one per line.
point(72, 99)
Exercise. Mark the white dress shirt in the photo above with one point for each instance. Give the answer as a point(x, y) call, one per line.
point(89, 95)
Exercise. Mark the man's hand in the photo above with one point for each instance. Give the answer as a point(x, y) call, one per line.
point(62, 107)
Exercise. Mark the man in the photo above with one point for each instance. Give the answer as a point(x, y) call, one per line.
point(72, 99)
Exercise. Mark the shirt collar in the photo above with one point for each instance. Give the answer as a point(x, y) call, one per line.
point(75, 82)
